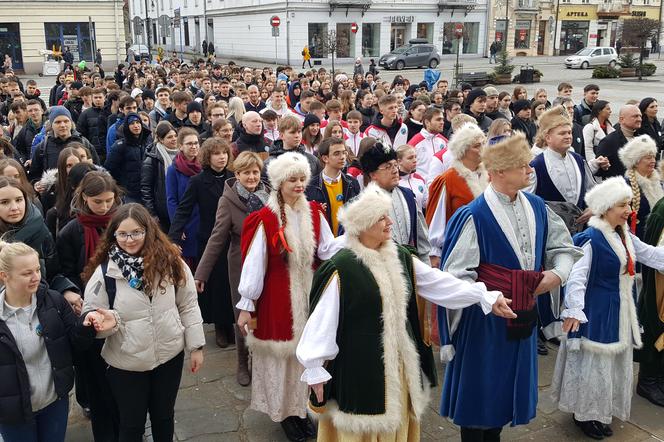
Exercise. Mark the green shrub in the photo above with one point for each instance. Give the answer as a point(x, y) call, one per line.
point(606, 72)
point(628, 61)
point(647, 69)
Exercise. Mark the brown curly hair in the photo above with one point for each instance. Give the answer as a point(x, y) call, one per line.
point(161, 259)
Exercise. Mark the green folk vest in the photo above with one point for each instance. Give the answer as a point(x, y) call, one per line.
point(358, 372)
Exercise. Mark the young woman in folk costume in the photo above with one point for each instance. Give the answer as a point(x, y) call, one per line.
point(280, 246)
point(639, 156)
point(593, 374)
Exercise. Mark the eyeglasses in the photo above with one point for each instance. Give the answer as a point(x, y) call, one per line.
point(392, 165)
point(123, 236)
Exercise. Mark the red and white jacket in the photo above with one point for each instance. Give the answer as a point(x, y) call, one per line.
point(426, 145)
point(381, 135)
point(415, 182)
point(353, 141)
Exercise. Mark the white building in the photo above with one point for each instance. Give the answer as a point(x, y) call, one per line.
point(241, 29)
point(26, 27)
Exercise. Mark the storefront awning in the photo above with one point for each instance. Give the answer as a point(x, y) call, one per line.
point(464, 5)
point(350, 4)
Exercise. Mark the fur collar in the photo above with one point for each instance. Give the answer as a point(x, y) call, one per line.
point(651, 187)
point(398, 347)
point(476, 183)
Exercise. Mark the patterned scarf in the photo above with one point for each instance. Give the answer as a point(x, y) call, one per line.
point(254, 200)
point(130, 266)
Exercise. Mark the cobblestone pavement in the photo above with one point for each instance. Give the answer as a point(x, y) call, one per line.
point(211, 406)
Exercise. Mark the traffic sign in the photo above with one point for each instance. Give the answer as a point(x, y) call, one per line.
point(275, 31)
point(458, 30)
point(275, 21)
point(353, 28)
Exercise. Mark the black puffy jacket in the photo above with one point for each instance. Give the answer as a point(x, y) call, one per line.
point(153, 187)
point(90, 126)
point(125, 160)
point(62, 330)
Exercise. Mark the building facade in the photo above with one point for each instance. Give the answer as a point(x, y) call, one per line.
point(241, 29)
point(26, 27)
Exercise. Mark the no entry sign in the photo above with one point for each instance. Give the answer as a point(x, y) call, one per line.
point(275, 21)
point(458, 30)
point(353, 28)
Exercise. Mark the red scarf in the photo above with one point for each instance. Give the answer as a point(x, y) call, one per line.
point(186, 167)
point(91, 224)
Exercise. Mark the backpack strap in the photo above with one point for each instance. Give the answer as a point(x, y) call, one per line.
point(110, 285)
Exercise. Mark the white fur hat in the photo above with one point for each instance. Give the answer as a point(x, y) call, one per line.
point(635, 149)
point(285, 166)
point(606, 195)
point(365, 210)
point(463, 138)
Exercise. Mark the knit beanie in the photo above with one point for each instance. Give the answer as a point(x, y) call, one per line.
point(58, 111)
point(148, 93)
point(133, 117)
point(310, 119)
point(194, 106)
point(520, 105)
point(474, 95)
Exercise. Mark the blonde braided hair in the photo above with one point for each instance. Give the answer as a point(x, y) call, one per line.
point(636, 191)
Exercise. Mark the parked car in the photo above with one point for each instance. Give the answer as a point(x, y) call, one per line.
point(417, 53)
point(587, 57)
point(140, 52)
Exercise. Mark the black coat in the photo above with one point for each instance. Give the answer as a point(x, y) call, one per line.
point(90, 126)
point(654, 130)
point(61, 330)
point(527, 127)
point(125, 161)
point(578, 143)
point(71, 251)
point(609, 148)
point(250, 142)
point(75, 108)
point(203, 191)
point(46, 154)
point(316, 191)
point(23, 141)
point(153, 187)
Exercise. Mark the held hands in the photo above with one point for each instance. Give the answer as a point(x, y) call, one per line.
point(435, 261)
point(585, 216)
point(549, 282)
point(318, 391)
point(196, 360)
point(501, 308)
point(243, 321)
point(603, 162)
point(74, 300)
point(571, 325)
point(101, 319)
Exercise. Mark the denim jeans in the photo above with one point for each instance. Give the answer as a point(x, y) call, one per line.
point(49, 425)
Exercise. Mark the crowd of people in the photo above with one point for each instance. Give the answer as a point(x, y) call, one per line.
point(334, 229)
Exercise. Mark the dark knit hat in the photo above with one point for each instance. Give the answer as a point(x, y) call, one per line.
point(466, 87)
point(310, 119)
point(133, 117)
point(148, 93)
point(194, 106)
point(376, 156)
point(474, 95)
point(58, 111)
point(643, 105)
point(76, 85)
point(520, 105)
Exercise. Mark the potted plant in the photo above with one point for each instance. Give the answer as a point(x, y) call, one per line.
point(628, 64)
point(502, 73)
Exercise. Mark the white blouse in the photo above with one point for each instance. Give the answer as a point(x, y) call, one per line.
point(255, 263)
point(578, 279)
point(318, 342)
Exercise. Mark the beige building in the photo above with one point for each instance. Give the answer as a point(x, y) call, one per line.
point(529, 26)
point(26, 27)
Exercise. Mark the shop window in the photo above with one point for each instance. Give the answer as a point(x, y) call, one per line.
point(10, 43)
point(371, 39)
point(76, 36)
point(425, 30)
point(500, 30)
point(469, 42)
point(522, 34)
point(316, 39)
point(345, 41)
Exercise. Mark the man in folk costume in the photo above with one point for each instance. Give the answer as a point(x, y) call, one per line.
point(364, 355)
point(379, 163)
point(562, 179)
point(651, 316)
point(593, 374)
point(639, 158)
point(504, 238)
point(280, 244)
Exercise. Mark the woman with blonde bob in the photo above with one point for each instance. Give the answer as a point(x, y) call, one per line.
point(137, 274)
point(243, 194)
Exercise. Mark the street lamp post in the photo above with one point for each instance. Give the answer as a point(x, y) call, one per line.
point(147, 28)
point(507, 24)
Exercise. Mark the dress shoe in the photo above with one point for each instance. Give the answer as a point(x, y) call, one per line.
point(292, 429)
point(590, 429)
point(649, 388)
point(541, 347)
point(606, 430)
point(220, 337)
point(307, 427)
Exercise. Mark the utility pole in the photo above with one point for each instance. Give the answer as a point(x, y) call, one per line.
point(507, 24)
point(147, 28)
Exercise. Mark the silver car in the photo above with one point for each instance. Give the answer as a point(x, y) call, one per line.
point(591, 57)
